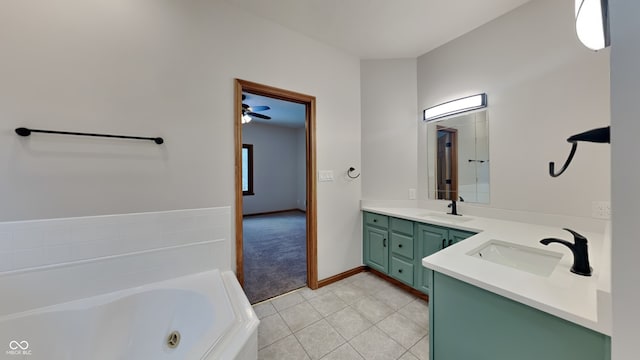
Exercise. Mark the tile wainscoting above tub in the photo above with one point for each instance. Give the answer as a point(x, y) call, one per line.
point(37, 243)
point(50, 261)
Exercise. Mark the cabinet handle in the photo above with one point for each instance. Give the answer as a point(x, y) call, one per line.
point(400, 271)
point(444, 243)
point(375, 220)
point(384, 242)
point(450, 242)
point(400, 245)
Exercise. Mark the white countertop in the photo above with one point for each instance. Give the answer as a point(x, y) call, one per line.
point(582, 300)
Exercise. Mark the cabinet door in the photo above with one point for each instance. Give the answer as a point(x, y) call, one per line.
point(430, 239)
point(376, 248)
point(457, 236)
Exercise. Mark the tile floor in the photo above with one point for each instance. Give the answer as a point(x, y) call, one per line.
point(361, 317)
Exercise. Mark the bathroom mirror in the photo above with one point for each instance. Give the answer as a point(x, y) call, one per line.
point(458, 158)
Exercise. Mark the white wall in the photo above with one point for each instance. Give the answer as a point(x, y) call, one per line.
point(542, 87)
point(160, 68)
point(625, 127)
point(276, 171)
point(389, 128)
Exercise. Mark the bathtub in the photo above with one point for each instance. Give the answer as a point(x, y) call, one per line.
point(205, 315)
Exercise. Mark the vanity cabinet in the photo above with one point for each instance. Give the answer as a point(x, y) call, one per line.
point(402, 250)
point(396, 246)
point(456, 235)
point(375, 247)
point(431, 239)
point(494, 327)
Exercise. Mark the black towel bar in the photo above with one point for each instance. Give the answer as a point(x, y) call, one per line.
point(22, 131)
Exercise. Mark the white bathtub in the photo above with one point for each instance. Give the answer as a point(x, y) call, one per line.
point(209, 310)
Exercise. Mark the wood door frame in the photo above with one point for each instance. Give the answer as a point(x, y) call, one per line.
point(311, 206)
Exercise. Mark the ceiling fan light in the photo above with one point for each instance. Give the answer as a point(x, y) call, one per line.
point(592, 23)
point(246, 118)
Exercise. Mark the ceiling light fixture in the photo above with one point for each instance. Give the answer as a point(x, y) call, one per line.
point(592, 23)
point(246, 118)
point(469, 103)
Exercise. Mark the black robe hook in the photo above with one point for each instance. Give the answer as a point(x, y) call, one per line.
point(599, 135)
point(574, 147)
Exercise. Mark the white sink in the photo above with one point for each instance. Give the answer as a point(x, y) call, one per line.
point(447, 217)
point(524, 258)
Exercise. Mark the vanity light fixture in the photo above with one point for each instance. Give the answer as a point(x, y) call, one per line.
point(592, 23)
point(469, 103)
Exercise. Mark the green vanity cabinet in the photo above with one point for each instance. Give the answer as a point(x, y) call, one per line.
point(376, 242)
point(396, 246)
point(457, 236)
point(402, 259)
point(467, 322)
point(388, 246)
point(431, 239)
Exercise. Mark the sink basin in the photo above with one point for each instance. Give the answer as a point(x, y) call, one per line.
point(446, 217)
point(535, 261)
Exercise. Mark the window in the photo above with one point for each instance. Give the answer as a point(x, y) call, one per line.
point(247, 169)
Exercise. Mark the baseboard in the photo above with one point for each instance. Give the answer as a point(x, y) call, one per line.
point(342, 275)
point(363, 268)
point(273, 212)
point(399, 284)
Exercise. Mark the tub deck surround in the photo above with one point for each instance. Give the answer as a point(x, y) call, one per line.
point(208, 309)
point(98, 282)
point(585, 301)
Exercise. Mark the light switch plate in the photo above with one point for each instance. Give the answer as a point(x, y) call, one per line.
point(412, 194)
point(325, 175)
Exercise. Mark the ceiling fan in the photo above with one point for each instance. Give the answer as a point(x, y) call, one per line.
point(249, 111)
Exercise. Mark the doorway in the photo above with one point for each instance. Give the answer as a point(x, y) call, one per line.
point(242, 149)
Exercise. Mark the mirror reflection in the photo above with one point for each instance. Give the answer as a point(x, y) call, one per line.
point(458, 158)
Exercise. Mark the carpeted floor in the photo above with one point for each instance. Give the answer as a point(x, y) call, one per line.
point(275, 254)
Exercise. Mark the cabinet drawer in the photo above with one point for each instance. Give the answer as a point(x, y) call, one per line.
point(376, 220)
point(402, 226)
point(402, 245)
point(402, 270)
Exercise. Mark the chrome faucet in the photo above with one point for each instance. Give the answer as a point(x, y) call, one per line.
point(579, 250)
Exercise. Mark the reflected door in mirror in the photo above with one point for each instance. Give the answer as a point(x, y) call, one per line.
point(447, 162)
point(458, 158)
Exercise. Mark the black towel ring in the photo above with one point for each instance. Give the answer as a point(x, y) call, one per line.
point(352, 169)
